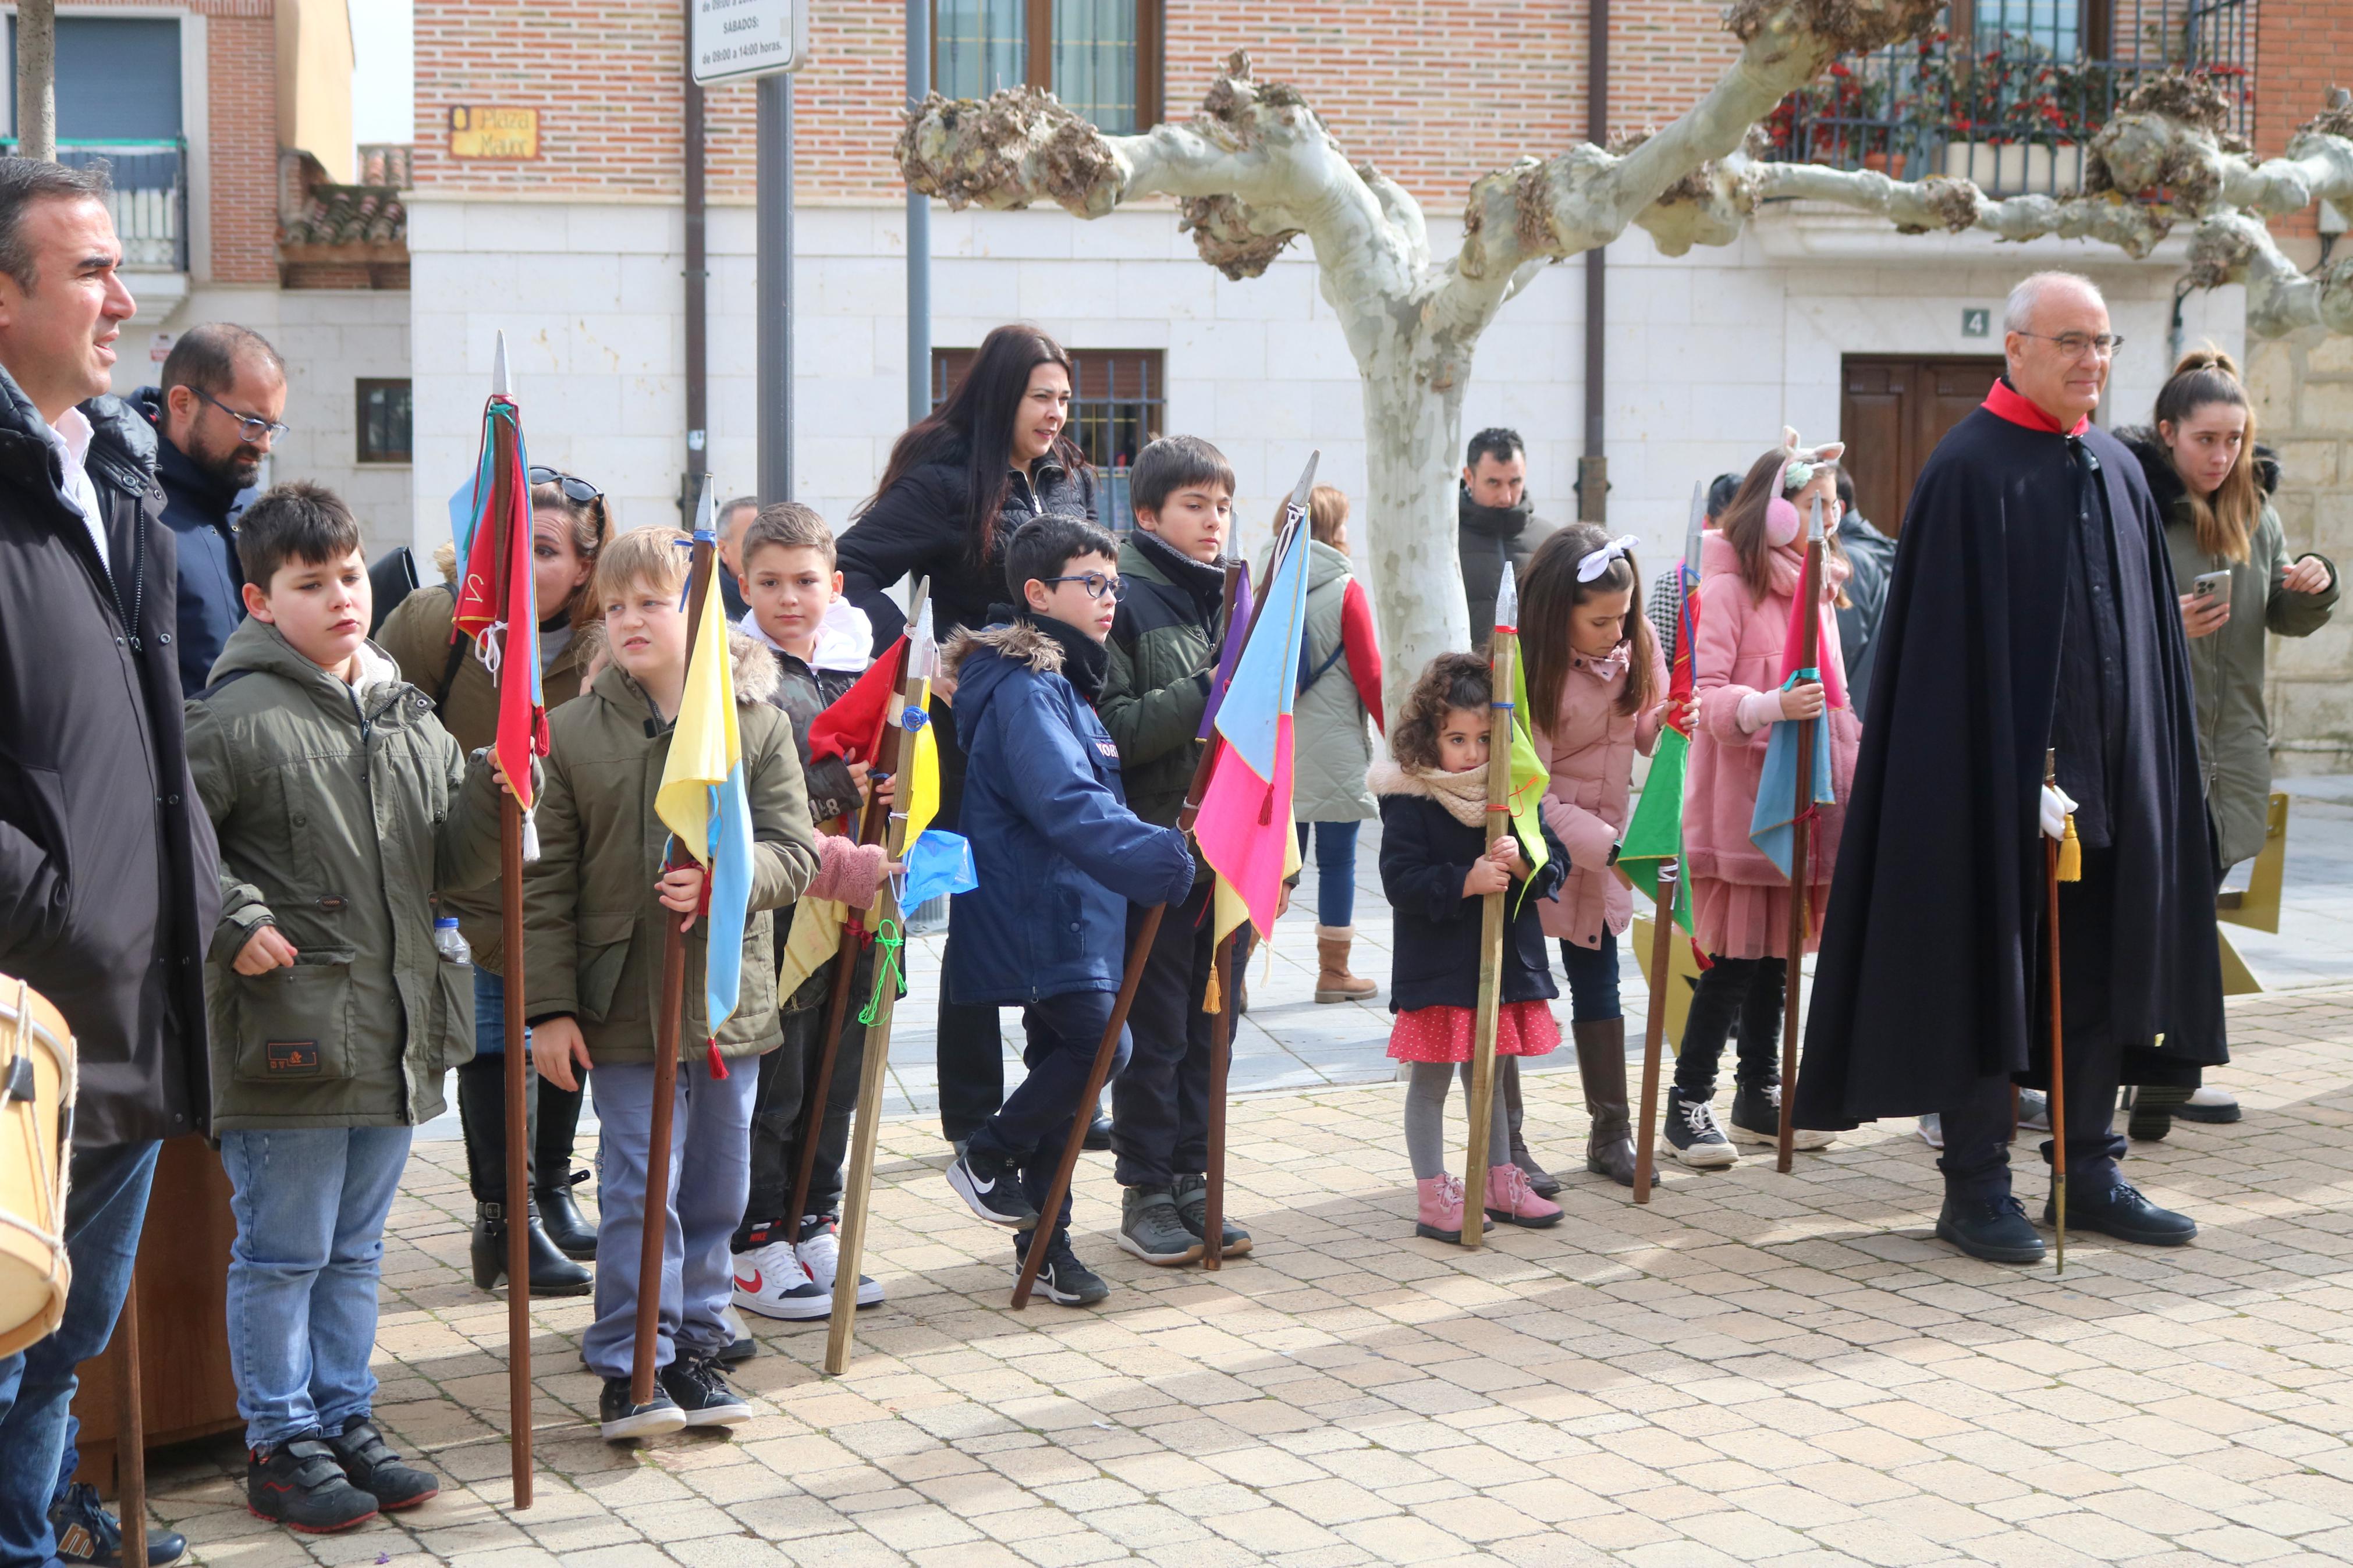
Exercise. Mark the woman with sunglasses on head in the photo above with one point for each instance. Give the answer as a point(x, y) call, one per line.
point(959, 482)
point(570, 524)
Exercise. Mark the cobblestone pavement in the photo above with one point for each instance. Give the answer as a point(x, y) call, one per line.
point(1755, 1368)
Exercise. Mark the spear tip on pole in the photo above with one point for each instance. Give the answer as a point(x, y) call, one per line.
point(1507, 598)
point(502, 381)
point(705, 519)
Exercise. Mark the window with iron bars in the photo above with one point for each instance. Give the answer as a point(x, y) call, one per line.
point(2009, 93)
point(1118, 405)
point(1101, 57)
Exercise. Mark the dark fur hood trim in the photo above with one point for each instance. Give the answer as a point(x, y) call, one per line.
point(1015, 640)
point(2165, 485)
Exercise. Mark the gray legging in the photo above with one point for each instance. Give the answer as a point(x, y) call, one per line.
point(1425, 1120)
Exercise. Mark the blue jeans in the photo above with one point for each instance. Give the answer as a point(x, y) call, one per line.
point(1028, 1132)
point(311, 1203)
point(1592, 979)
point(709, 1177)
point(105, 1211)
point(1335, 870)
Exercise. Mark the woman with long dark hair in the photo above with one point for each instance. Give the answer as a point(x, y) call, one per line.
point(995, 455)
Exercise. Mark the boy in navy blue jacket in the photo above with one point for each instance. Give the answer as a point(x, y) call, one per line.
point(1058, 856)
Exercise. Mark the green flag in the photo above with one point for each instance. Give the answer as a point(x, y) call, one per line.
point(1656, 833)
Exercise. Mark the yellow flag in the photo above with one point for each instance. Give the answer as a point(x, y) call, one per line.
point(1229, 910)
point(922, 772)
point(706, 747)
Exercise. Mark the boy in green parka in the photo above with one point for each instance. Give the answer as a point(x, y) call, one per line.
point(342, 806)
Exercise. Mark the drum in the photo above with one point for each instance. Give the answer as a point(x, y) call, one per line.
point(36, 1099)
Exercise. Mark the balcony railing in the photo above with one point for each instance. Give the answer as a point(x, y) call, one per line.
point(149, 198)
point(2009, 93)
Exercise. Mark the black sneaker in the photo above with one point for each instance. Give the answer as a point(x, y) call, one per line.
point(1756, 1119)
point(87, 1534)
point(1099, 1134)
point(1692, 1136)
point(1192, 1195)
point(2121, 1211)
point(618, 1420)
point(701, 1389)
point(301, 1484)
point(1061, 1278)
point(990, 1190)
point(370, 1465)
point(1995, 1229)
point(1149, 1229)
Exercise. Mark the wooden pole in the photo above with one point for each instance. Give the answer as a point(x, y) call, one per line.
point(517, 1065)
point(873, 826)
point(858, 1181)
point(1654, 1028)
point(1809, 589)
point(669, 1024)
point(1221, 1061)
point(1502, 651)
point(2057, 1097)
point(131, 1433)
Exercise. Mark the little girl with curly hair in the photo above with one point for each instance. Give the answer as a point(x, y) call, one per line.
point(1440, 857)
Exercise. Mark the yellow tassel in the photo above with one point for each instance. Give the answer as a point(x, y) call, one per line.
point(1213, 995)
point(2071, 854)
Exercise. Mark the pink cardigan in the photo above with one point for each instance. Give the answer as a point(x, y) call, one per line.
point(1737, 654)
point(1589, 748)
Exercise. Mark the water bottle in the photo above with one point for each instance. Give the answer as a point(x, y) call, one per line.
point(449, 943)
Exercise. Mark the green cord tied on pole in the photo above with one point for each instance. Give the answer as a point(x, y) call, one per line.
point(887, 937)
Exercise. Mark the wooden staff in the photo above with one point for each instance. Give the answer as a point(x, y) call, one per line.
point(518, 1054)
point(1139, 951)
point(2057, 1098)
point(873, 824)
point(131, 1433)
point(1503, 651)
point(1221, 1060)
point(655, 1232)
point(1654, 1027)
point(889, 932)
point(1809, 591)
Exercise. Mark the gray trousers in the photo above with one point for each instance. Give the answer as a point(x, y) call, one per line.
point(710, 1175)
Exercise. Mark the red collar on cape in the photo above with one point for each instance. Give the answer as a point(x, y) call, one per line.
point(2004, 402)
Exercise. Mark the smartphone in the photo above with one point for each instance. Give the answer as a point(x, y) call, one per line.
point(2212, 585)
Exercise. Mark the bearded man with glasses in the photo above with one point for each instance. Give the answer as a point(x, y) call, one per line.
point(216, 417)
point(2032, 611)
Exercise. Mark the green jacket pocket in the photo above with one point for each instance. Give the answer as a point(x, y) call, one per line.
point(603, 953)
point(295, 1022)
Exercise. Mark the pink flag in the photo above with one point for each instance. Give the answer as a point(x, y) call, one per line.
point(1244, 828)
point(1827, 658)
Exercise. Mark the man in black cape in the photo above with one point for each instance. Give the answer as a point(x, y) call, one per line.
point(2031, 606)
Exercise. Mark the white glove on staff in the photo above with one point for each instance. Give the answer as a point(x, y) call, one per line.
point(2056, 804)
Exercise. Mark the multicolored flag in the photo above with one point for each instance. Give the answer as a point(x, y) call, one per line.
point(495, 604)
point(702, 798)
point(1773, 825)
point(1656, 832)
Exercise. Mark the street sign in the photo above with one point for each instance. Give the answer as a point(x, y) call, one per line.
point(735, 40)
point(1976, 321)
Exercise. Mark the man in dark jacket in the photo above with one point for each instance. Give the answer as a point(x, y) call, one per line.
point(2031, 612)
point(216, 416)
point(108, 880)
point(1498, 522)
point(1871, 558)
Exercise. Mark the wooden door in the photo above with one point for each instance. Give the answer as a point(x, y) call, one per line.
point(1893, 410)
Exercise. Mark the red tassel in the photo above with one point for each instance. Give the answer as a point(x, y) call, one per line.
point(718, 1063)
point(1266, 808)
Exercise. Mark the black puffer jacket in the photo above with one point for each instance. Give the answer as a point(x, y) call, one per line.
point(108, 871)
point(918, 529)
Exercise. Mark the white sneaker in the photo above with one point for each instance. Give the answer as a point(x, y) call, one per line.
point(820, 1254)
point(2035, 1110)
point(1932, 1130)
point(770, 1280)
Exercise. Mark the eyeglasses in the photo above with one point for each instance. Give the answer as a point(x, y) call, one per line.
point(1095, 584)
point(574, 487)
point(2075, 345)
point(252, 427)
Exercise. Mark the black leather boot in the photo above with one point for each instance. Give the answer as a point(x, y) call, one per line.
point(551, 1273)
point(1541, 1181)
point(561, 1217)
point(1601, 1063)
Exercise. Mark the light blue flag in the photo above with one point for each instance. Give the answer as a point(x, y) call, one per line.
point(1772, 827)
point(731, 899)
point(940, 862)
point(1266, 675)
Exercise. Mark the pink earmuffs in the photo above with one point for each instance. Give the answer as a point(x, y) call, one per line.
point(1782, 523)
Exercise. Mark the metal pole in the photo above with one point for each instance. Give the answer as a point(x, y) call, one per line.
point(1593, 467)
point(698, 296)
point(776, 287)
point(36, 80)
point(919, 226)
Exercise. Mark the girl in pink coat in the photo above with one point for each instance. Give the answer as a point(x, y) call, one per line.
point(1749, 573)
point(1596, 695)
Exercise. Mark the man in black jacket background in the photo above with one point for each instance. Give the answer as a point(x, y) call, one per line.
point(217, 414)
point(109, 882)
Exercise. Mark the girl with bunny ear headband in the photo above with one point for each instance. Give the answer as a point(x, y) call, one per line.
point(1783, 521)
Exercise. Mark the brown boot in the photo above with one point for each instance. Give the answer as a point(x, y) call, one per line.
point(1601, 1062)
point(1541, 1181)
point(1332, 981)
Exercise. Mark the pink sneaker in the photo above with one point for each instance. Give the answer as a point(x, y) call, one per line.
point(1510, 1200)
point(1441, 1208)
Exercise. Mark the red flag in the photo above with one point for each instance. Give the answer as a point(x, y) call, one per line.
point(851, 727)
point(495, 605)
